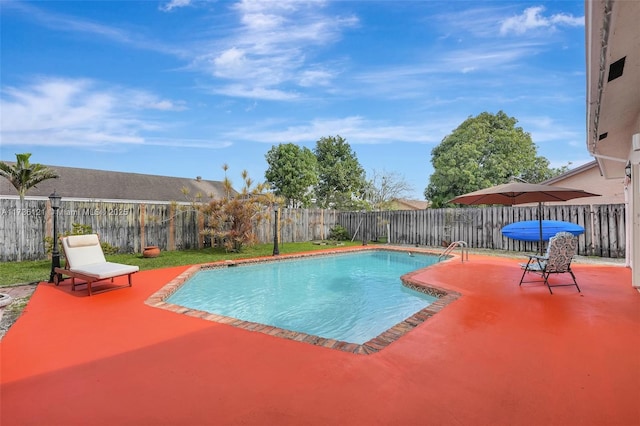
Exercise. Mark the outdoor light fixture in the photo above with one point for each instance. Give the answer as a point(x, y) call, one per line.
point(627, 170)
point(275, 230)
point(55, 254)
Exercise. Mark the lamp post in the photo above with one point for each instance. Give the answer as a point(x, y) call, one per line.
point(55, 254)
point(275, 230)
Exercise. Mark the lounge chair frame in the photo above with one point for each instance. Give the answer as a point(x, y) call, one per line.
point(84, 260)
point(560, 252)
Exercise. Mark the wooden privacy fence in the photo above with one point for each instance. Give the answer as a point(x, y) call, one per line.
point(127, 226)
point(604, 225)
point(132, 226)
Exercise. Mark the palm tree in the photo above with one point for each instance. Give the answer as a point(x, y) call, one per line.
point(23, 176)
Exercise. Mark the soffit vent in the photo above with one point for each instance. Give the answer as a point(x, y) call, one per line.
point(616, 69)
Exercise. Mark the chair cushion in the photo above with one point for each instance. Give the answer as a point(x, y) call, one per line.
point(563, 247)
point(82, 240)
point(105, 270)
point(80, 256)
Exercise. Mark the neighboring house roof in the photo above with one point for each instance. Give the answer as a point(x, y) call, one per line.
point(405, 204)
point(102, 185)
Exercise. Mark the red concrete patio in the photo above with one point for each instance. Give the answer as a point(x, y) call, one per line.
point(499, 355)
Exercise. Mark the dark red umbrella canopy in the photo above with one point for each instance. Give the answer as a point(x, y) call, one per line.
point(520, 193)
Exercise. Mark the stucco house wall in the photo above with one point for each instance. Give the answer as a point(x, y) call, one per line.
point(589, 178)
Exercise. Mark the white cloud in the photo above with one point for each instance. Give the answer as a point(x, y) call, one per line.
point(441, 74)
point(230, 63)
point(267, 48)
point(166, 105)
point(356, 129)
point(188, 143)
point(547, 131)
point(250, 7)
point(142, 100)
point(61, 22)
point(67, 23)
point(314, 78)
point(484, 57)
point(262, 21)
point(532, 18)
point(174, 4)
point(479, 22)
point(268, 56)
point(253, 92)
point(67, 112)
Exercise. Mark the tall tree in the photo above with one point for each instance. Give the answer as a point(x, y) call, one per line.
point(483, 151)
point(385, 187)
point(23, 176)
point(341, 177)
point(292, 173)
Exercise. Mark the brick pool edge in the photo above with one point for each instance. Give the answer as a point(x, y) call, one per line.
point(384, 339)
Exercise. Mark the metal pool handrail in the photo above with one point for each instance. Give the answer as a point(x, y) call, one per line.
point(463, 250)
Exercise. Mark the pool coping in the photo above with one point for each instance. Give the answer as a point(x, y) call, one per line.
point(374, 345)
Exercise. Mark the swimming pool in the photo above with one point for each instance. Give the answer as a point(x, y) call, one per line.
point(351, 297)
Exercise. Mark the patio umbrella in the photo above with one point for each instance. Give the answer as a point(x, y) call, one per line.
point(521, 193)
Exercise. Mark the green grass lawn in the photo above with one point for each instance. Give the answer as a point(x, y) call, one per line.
point(12, 273)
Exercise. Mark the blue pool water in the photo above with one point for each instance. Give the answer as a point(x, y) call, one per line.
point(350, 297)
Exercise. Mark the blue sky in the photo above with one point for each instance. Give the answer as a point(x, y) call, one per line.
point(181, 87)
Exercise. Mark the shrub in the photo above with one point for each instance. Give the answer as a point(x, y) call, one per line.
point(338, 233)
point(230, 219)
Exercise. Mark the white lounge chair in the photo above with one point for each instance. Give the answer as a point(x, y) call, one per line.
point(85, 260)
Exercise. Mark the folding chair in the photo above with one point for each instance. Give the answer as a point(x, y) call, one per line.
point(562, 247)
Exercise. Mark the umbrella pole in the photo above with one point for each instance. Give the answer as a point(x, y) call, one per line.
point(541, 242)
